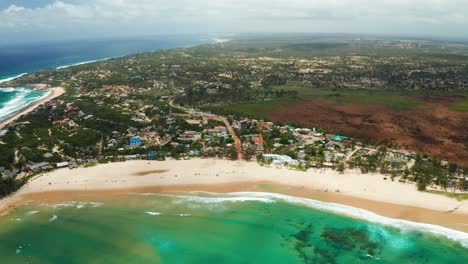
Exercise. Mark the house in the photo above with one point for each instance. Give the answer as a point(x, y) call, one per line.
point(61, 122)
point(39, 166)
point(304, 131)
point(48, 155)
point(135, 142)
point(72, 109)
point(338, 138)
point(402, 153)
point(63, 164)
point(3, 132)
point(281, 159)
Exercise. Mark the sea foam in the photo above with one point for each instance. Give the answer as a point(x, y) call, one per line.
point(20, 100)
point(154, 213)
point(211, 200)
point(32, 212)
point(349, 211)
point(11, 78)
point(76, 204)
point(81, 63)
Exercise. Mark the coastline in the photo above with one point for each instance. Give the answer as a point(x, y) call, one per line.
point(365, 191)
point(52, 93)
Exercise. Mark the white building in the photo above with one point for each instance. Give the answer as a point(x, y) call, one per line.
point(62, 164)
point(281, 159)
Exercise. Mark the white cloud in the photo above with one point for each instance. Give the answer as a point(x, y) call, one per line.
point(14, 8)
point(235, 15)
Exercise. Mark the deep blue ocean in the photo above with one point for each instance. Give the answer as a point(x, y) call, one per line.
point(24, 58)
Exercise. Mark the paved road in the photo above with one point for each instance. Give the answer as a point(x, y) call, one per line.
point(205, 116)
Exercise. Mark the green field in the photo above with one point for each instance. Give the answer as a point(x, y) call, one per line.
point(393, 100)
point(459, 196)
point(460, 107)
point(260, 109)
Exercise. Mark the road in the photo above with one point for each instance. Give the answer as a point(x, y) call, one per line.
point(206, 116)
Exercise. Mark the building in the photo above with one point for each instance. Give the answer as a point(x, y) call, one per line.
point(338, 138)
point(281, 159)
point(61, 122)
point(135, 142)
point(39, 166)
point(62, 164)
point(48, 155)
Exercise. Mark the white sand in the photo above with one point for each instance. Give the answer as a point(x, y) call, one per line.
point(115, 176)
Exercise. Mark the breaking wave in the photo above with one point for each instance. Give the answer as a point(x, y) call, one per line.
point(81, 63)
point(349, 211)
point(11, 78)
point(19, 98)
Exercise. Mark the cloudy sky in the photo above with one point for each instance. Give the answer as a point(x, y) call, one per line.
point(53, 19)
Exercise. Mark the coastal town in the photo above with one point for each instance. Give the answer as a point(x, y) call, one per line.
point(172, 104)
point(118, 123)
point(298, 132)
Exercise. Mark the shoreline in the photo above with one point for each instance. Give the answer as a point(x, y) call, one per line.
point(369, 192)
point(52, 93)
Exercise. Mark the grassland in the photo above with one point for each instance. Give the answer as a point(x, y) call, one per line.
point(460, 107)
point(390, 99)
point(459, 196)
point(395, 100)
point(259, 109)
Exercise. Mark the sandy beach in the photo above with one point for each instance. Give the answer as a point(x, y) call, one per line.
point(367, 191)
point(53, 93)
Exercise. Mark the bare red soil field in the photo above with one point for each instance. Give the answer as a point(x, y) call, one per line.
point(431, 129)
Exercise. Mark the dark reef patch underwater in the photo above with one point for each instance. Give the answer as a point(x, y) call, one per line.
point(210, 228)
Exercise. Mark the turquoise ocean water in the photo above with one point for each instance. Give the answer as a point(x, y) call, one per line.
point(217, 228)
point(14, 99)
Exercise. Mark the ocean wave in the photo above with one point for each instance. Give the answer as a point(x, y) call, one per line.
point(184, 215)
point(20, 100)
point(32, 212)
point(7, 90)
point(221, 40)
point(211, 200)
point(81, 63)
point(11, 78)
point(349, 211)
point(53, 218)
point(154, 213)
point(76, 204)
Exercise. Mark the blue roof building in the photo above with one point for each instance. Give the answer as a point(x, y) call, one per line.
point(135, 140)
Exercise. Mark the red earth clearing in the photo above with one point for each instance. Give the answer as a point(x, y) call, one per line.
point(431, 129)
